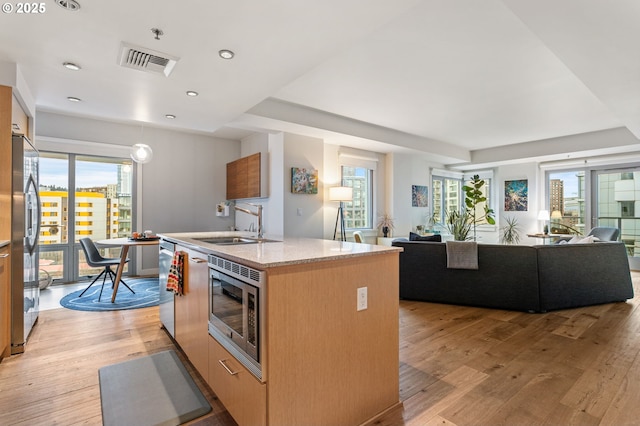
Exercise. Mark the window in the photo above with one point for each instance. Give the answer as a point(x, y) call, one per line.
point(447, 193)
point(100, 183)
point(627, 208)
point(358, 214)
point(566, 201)
point(447, 196)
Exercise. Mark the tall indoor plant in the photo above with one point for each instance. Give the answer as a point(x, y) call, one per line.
point(473, 196)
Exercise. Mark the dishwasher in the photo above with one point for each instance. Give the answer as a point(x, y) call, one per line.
point(166, 305)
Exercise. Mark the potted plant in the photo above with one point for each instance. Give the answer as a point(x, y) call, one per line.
point(385, 224)
point(432, 222)
point(510, 233)
point(458, 224)
point(473, 196)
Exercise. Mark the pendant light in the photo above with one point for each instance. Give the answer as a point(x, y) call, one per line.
point(141, 153)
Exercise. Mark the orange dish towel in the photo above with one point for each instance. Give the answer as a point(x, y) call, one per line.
point(175, 282)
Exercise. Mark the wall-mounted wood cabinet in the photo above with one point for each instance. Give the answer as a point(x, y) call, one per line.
point(244, 178)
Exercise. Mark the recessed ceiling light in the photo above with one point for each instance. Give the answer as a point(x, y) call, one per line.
point(226, 54)
point(191, 93)
point(71, 66)
point(71, 5)
point(73, 99)
point(170, 116)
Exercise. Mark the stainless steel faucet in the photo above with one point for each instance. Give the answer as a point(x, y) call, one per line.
point(257, 213)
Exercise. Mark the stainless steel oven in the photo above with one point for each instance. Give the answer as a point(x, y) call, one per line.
point(235, 302)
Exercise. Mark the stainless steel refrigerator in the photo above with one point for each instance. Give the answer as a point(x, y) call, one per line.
point(25, 228)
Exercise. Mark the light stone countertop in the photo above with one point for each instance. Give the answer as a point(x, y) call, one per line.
point(4, 243)
point(284, 251)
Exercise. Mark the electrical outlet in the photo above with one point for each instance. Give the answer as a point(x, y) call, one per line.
point(362, 298)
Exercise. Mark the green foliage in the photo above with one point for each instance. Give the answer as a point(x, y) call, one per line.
point(510, 233)
point(474, 196)
point(458, 224)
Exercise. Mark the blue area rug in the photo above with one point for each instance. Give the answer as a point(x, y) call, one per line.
point(146, 289)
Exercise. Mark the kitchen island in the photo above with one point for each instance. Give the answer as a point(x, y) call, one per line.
point(328, 330)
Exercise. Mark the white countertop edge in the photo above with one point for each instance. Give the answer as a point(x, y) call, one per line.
point(286, 251)
point(4, 243)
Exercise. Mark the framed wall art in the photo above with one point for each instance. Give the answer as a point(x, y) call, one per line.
point(304, 180)
point(516, 195)
point(419, 196)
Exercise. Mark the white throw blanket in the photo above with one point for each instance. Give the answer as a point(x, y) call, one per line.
point(462, 255)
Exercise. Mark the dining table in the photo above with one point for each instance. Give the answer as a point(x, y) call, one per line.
point(125, 243)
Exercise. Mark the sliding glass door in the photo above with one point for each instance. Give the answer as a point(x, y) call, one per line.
point(617, 204)
point(99, 207)
point(585, 198)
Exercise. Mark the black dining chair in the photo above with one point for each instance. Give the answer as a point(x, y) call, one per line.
point(95, 260)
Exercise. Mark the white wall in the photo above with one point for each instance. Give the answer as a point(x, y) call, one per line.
point(180, 186)
point(303, 213)
point(528, 220)
point(283, 151)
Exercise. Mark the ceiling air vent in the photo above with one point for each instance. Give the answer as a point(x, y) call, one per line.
point(143, 59)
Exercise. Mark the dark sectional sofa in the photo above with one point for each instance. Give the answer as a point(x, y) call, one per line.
point(524, 278)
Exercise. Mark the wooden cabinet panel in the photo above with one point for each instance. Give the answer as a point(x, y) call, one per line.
point(5, 162)
point(243, 177)
point(253, 176)
point(19, 118)
point(241, 393)
point(5, 304)
point(192, 311)
point(338, 364)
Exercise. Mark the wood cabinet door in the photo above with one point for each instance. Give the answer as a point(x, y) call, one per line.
point(243, 177)
point(239, 391)
point(253, 176)
point(198, 314)
point(232, 181)
point(191, 310)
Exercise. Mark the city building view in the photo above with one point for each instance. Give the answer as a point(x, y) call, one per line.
point(618, 200)
point(100, 211)
point(357, 213)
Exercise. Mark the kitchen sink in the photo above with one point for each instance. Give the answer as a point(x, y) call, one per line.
point(234, 240)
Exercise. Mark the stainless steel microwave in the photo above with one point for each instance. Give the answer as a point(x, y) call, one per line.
point(235, 310)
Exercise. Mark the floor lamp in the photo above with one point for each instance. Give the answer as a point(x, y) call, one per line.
point(341, 194)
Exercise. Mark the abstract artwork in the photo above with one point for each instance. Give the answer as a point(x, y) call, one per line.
point(516, 195)
point(304, 181)
point(419, 196)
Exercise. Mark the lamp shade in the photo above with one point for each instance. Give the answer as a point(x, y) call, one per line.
point(141, 153)
point(543, 215)
point(556, 214)
point(340, 193)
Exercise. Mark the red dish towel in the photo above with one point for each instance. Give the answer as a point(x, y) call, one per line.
point(175, 281)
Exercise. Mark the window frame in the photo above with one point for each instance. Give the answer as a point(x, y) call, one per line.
point(349, 205)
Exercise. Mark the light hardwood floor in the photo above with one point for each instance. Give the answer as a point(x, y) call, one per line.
point(458, 366)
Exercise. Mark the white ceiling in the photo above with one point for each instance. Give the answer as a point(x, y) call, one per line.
point(447, 79)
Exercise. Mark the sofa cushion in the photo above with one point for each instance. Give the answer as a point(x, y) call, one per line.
point(417, 237)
